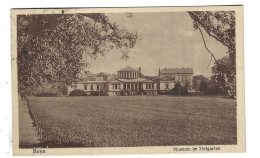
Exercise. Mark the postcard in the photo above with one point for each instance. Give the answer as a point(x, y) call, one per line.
point(91, 81)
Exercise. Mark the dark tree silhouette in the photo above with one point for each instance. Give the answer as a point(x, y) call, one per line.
point(197, 79)
point(221, 26)
point(52, 48)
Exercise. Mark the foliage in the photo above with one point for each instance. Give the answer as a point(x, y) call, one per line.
point(47, 94)
point(196, 81)
point(221, 26)
point(53, 48)
point(203, 86)
point(179, 89)
point(207, 86)
point(223, 75)
point(77, 92)
point(214, 88)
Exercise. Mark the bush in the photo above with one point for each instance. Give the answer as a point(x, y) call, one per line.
point(77, 92)
point(47, 94)
point(95, 93)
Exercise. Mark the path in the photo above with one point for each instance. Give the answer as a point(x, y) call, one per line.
point(28, 135)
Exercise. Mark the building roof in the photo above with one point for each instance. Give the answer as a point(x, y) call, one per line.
point(177, 71)
point(128, 68)
point(113, 80)
point(101, 74)
point(162, 78)
point(90, 82)
point(136, 80)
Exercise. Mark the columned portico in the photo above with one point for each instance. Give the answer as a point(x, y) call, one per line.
point(128, 73)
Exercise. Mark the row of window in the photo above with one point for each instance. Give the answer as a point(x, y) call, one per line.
point(91, 87)
point(116, 86)
point(149, 86)
point(181, 77)
point(128, 74)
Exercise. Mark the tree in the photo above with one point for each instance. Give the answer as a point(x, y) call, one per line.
point(196, 81)
point(177, 88)
point(184, 88)
point(221, 26)
point(222, 74)
point(214, 88)
point(207, 86)
point(53, 48)
point(203, 86)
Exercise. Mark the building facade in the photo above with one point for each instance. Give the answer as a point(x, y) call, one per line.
point(181, 75)
point(130, 81)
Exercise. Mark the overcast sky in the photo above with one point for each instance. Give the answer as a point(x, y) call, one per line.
point(167, 40)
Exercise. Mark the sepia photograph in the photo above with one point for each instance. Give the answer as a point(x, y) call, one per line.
point(107, 80)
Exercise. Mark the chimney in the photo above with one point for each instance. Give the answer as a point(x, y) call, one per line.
point(139, 69)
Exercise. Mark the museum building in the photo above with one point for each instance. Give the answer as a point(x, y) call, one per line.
point(130, 81)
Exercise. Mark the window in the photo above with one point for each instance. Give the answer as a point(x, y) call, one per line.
point(92, 87)
point(85, 87)
point(97, 87)
point(119, 86)
point(149, 85)
point(167, 85)
point(115, 86)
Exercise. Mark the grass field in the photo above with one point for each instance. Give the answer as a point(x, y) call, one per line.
point(135, 121)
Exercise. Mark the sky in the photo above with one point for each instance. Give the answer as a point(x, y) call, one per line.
point(166, 40)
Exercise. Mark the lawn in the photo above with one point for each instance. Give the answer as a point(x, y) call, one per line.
point(127, 121)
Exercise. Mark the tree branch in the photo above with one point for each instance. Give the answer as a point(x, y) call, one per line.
point(209, 61)
point(203, 25)
point(204, 42)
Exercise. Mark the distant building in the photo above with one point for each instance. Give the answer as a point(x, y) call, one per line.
point(130, 81)
point(182, 75)
point(92, 84)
